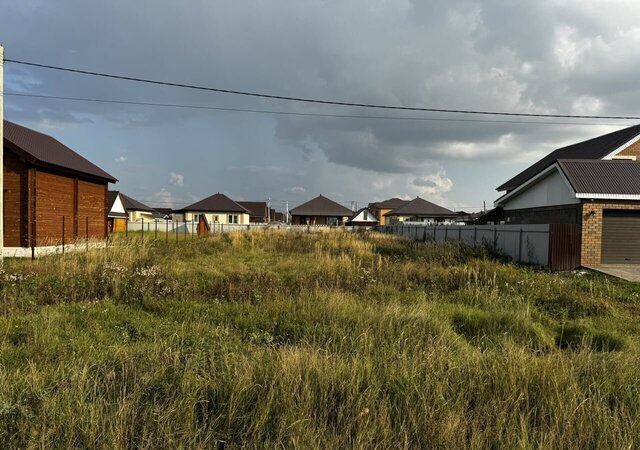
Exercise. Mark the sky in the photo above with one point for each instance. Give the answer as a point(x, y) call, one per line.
point(550, 57)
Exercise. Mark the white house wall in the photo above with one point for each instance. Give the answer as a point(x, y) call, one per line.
point(118, 207)
point(550, 191)
point(360, 217)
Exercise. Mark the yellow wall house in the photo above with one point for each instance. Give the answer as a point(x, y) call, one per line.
point(217, 208)
point(123, 207)
point(380, 209)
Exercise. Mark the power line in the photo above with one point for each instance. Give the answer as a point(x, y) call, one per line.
point(287, 113)
point(310, 100)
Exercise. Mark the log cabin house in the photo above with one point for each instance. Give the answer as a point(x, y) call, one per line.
point(52, 195)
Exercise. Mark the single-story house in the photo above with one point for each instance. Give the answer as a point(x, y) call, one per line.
point(166, 213)
point(593, 184)
point(320, 211)
point(51, 193)
point(217, 208)
point(363, 218)
point(468, 218)
point(380, 209)
point(278, 216)
point(123, 207)
point(421, 210)
point(258, 211)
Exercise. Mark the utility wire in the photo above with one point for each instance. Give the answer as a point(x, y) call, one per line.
point(310, 100)
point(288, 113)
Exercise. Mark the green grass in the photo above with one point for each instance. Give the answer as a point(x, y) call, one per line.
point(327, 340)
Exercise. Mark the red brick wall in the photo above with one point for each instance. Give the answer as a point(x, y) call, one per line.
point(54, 199)
point(91, 205)
point(632, 150)
point(15, 201)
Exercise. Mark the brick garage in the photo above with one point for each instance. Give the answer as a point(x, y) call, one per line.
point(46, 183)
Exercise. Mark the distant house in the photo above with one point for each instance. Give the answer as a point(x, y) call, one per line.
point(421, 210)
point(380, 209)
point(279, 217)
point(594, 185)
point(51, 193)
point(468, 218)
point(217, 208)
point(258, 211)
point(166, 213)
point(363, 218)
point(320, 211)
point(122, 208)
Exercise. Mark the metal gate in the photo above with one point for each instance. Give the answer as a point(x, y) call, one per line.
point(565, 245)
point(620, 237)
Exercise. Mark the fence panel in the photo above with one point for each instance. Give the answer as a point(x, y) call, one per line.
point(522, 243)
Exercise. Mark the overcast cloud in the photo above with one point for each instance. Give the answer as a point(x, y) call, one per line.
point(564, 56)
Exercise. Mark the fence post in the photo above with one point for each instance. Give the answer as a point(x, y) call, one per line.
point(185, 229)
point(33, 240)
point(520, 245)
point(63, 235)
point(155, 235)
point(86, 221)
point(446, 233)
point(175, 228)
point(495, 238)
point(142, 227)
point(126, 226)
point(475, 235)
point(460, 234)
point(166, 230)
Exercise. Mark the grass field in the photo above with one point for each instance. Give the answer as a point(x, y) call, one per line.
point(277, 340)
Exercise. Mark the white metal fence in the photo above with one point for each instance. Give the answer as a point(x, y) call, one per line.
point(191, 227)
point(522, 243)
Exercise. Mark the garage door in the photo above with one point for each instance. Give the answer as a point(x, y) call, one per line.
point(621, 237)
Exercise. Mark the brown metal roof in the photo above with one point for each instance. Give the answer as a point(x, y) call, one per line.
point(43, 150)
point(217, 203)
point(392, 203)
point(420, 207)
point(614, 177)
point(323, 207)
point(256, 209)
point(131, 204)
point(596, 148)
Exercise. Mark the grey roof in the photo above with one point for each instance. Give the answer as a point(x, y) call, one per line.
point(217, 203)
point(614, 177)
point(256, 209)
point(131, 204)
point(392, 203)
point(43, 150)
point(422, 208)
point(596, 148)
point(321, 206)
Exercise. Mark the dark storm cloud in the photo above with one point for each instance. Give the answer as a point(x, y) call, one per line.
point(547, 57)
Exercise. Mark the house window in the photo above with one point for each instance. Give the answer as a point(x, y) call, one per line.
point(196, 217)
point(233, 218)
point(366, 215)
point(216, 219)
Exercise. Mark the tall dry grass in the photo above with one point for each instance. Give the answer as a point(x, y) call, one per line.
point(323, 340)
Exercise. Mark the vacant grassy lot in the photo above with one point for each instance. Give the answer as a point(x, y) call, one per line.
point(313, 341)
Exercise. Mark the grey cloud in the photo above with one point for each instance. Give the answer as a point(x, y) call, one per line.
point(557, 56)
